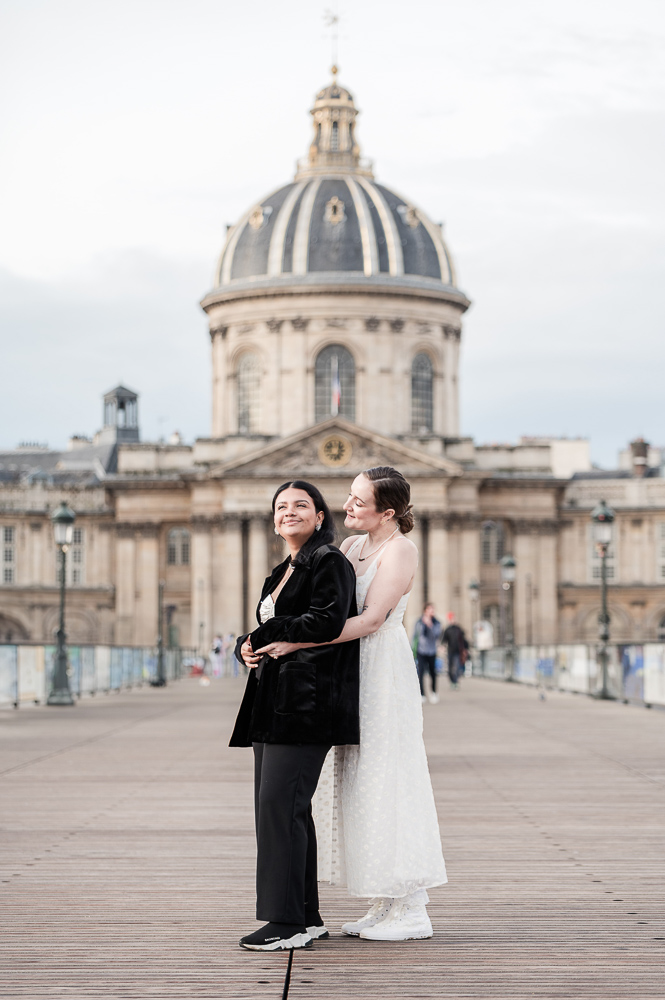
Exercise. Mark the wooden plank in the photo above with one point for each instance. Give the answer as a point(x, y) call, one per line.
point(127, 854)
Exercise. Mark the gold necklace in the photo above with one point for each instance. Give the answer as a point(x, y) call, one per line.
point(363, 558)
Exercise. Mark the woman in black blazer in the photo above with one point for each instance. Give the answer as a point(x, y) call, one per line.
point(294, 709)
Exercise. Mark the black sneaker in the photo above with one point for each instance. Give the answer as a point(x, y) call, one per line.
point(276, 937)
point(315, 927)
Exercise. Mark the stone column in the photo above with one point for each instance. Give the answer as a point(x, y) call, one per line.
point(462, 563)
point(546, 597)
point(439, 566)
point(219, 382)
point(272, 402)
point(228, 574)
point(440, 394)
point(125, 594)
point(103, 556)
point(452, 340)
point(470, 570)
point(257, 561)
point(201, 583)
point(415, 605)
point(147, 585)
point(297, 378)
point(535, 554)
point(36, 542)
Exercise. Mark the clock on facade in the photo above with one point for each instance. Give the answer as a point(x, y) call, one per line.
point(335, 451)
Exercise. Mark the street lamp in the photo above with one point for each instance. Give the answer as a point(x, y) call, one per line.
point(63, 530)
point(474, 596)
point(160, 679)
point(602, 518)
point(474, 593)
point(508, 573)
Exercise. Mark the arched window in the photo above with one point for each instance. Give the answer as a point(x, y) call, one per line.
point(334, 384)
point(177, 548)
point(249, 386)
point(334, 137)
point(422, 396)
point(491, 542)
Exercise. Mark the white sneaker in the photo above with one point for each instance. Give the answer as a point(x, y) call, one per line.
point(403, 923)
point(423, 698)
point(434, 698)
point(379, 910)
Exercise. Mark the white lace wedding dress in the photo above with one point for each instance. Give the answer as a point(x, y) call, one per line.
point(374, 810)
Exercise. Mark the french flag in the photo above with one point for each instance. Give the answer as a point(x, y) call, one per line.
point(336, 388)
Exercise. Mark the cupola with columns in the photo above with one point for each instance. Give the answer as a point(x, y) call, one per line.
point(334, 145)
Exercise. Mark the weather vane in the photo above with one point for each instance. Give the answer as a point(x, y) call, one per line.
point(331, 19)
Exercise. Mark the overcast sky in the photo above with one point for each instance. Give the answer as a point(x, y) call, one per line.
point(132, 131)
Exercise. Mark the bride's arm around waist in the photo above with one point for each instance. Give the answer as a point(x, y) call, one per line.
point(393, 578)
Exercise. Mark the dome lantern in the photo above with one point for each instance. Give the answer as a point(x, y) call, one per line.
point(334, 147)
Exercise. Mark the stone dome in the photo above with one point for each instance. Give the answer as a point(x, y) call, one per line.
point(334, 224)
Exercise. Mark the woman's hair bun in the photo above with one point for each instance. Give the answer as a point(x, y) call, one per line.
point(406, 519)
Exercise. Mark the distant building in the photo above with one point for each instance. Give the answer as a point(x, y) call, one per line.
point(335, 326)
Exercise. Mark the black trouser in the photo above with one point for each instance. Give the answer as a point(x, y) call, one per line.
point(285, 779)
point(426, 664)
point(454, 667)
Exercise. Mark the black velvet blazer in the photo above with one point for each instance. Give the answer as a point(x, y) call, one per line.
point(310, 696)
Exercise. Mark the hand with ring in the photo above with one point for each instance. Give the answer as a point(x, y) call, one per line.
point(277, 649)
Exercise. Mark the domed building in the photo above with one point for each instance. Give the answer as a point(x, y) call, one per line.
point(335, 296)
point(335, 324)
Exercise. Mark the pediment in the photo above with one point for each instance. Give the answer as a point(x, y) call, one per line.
point(335, 448)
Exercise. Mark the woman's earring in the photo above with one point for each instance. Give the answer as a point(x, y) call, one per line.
point(276, 531)
point(318, 527)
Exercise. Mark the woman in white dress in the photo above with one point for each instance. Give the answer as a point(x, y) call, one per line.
point(390, 847)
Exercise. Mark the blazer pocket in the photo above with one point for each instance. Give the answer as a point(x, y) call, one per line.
point(296, 688)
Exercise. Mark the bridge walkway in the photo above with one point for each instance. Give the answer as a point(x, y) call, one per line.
point(127, 854)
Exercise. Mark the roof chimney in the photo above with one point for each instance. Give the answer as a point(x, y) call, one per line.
point(639, 450)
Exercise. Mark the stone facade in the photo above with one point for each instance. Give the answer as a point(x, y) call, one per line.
point(382, 329)
point(126, 521)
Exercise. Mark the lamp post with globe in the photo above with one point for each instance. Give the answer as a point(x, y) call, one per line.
point(508, 573)
point(63, 531)
point(602, 517)
point(474, 596)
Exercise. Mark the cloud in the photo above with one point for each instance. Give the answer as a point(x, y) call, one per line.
point(134, 319)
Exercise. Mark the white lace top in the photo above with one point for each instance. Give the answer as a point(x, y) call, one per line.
point(267, 609)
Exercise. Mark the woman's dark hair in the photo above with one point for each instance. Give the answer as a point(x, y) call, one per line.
point(327, 533)
point(391, 490)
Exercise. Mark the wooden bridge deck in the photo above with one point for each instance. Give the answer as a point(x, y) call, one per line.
point(127, 854)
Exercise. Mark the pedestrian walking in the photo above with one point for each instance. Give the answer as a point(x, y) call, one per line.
point(458, 649)
point(426, 635)
point(216, 658)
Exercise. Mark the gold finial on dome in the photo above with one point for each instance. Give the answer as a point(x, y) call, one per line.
point(334, 70)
